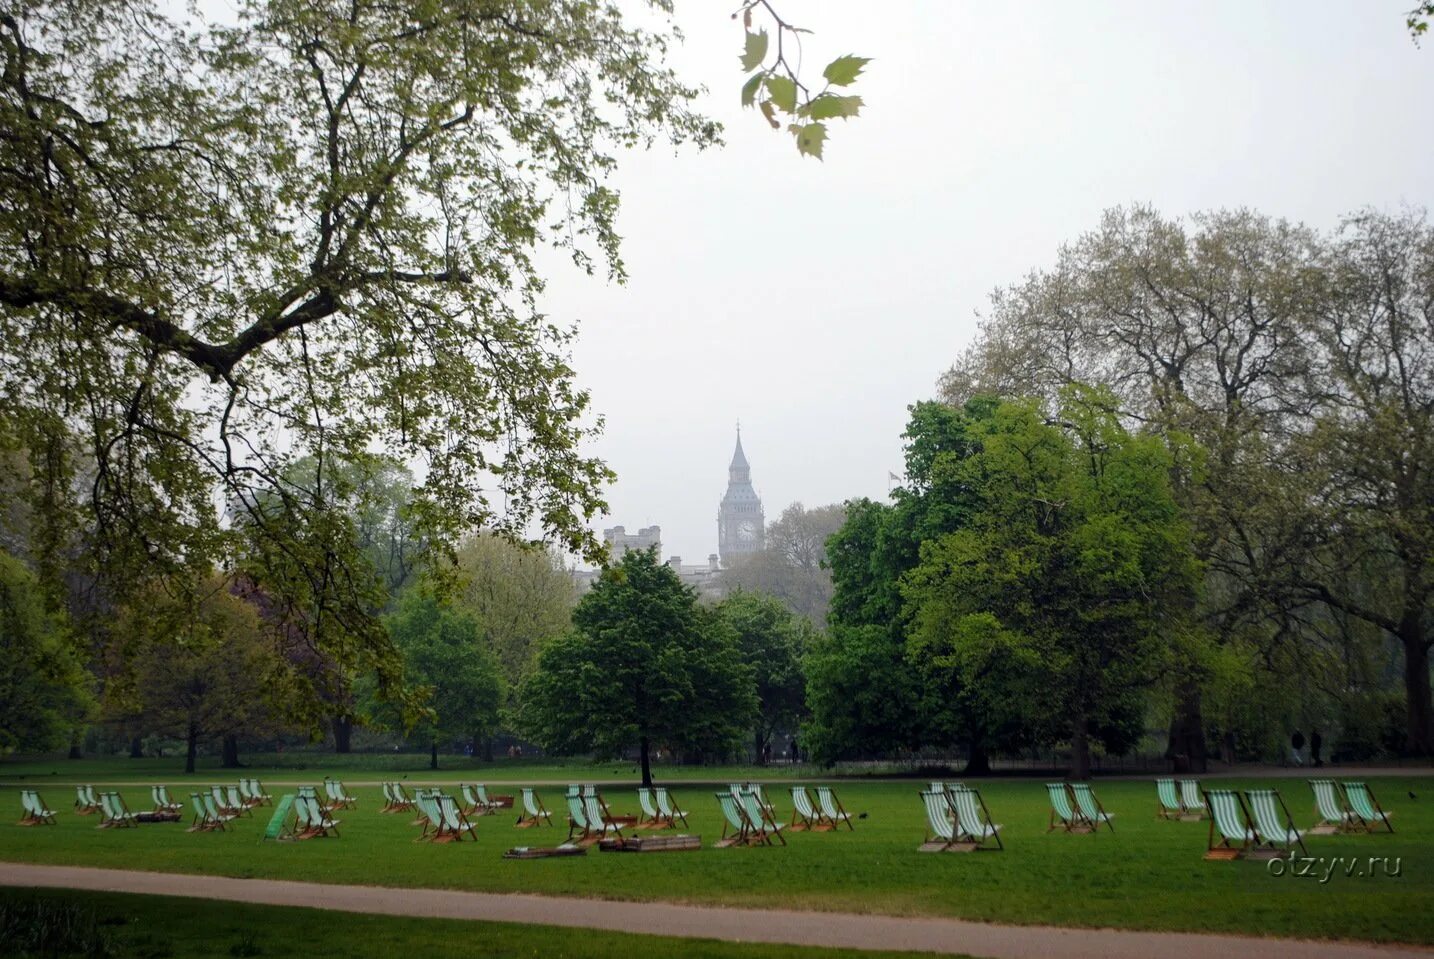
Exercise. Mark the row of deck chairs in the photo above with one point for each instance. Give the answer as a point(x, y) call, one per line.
point(748, 819)
point(442, 819)
point(589, 819)
point(1075, 808)
point(825, 815)
point(1188, 804)
point(34, 811)
point(338, 797)
point(1347, 807)
point(958, 820)
point(1254, 822)
point(659, 810)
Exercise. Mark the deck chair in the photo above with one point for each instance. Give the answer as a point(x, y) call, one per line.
point(1169, 801)
point(1091, 808)
point(973, 819)
point(1062, 814)
point(202, 822)
point(174, 805)
point(340, 796)
point(471, 806)
point(86, 803)
point(804, 816)
point(258, 795)
point(765, 825)
point(1192, 799)
point(668, 808)
point(215, 814)
point(114, 813)
point(649, 818)
point(831, 808)
point(321, 825)
point(221, 801)
point(399, 801)
point(735, 822)
point(487, 802)
point(1231, 820)
point(600, 821)
point(453, 825)
point(534, 812)
point(1361, 799)
point(430, 818)
point(1333, 811)
point(237, 802)
point(160, 797)
point(577, 816)
point(34, 812)
point(940, 829)
point(1274, 826)
point(387, 789)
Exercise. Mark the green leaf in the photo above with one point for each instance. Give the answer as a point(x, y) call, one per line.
point(784, 93)
point(750, 88)
point(768, 112)
point(844, 70)
point(829, 106)
point(756, 50)
point(810, 138)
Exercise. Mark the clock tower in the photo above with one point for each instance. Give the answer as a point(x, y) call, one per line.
point(741, 525)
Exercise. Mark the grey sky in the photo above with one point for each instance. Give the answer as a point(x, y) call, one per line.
point(815, 301)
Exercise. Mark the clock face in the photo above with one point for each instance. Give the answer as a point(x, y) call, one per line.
point(746, 531)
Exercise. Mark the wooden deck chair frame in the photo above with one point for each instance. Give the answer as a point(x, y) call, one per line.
point(1090, 808)
point(831, 808)
point(1192, 797)
point(1373, 813)
point(531, 811)
point(804, 814)
point(989, 828)
point(668, 806)
point(734, 818)
point(1064, 813)
point(1281, 836)
point(1225, 848)
point(1168, 806)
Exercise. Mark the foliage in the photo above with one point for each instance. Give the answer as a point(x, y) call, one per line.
point(778, 87)
point(792, 564)
point(44, 690)
point(444, 652)
point(643, 665)
point(771, 641)
point(1418, 19)
point(307, 230)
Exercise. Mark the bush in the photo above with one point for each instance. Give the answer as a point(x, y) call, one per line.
point(38, 927)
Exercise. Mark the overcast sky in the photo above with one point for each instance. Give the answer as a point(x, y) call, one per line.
point(817, 300)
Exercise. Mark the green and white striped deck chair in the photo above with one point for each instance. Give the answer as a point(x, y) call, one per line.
point(1090, 807)
point(940, 828)
point(114, 812)
point(85, 802)
point(169, 800)
point(34, 812)
point(667, 807)
point(471, 806)
point(1361, 800)
point(246, 793)
point(454, 824)
point(339, 797)
point(485, 802)
point(973, 819)
point(534, 812)
point(804, 816)
point(1191, 798)
point(260, 796)
point(425, 803)
point(831, 808)
point(389, 804)
point(1334, 814)
point(216, 815)
point(650, 818)
point(1169, 806)
point(160, 797)
point(1231, 820)
point(237, 802)
point(763, 822)
point(321, 823)
point(200, 823)
point(734, 818)
point(221, 801)
point(599, 819)
point(1062, 814)
point(577, 816)
point(402, 801)
point(1274, 825)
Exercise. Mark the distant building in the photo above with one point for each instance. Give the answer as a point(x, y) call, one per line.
point(619, 540)
point(741, 524)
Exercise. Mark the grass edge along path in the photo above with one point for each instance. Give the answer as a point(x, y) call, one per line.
point(825, 930)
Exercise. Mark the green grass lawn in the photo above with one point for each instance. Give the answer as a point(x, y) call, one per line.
point(151, 927)
point(1148, 874)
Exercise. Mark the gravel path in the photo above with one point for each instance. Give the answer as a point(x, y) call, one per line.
point(737, 925)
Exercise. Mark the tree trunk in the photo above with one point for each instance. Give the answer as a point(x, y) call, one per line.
point(1416, 688)
point(343, 734)
point(230, 746)
point(75, 752)
point(978, 763)
point(136, 748)
point(191, 749)
point(1080, 749)
point(646, 762)
point(487, 749)
point(759, 747)
point(433, 755)
point(1187, 730)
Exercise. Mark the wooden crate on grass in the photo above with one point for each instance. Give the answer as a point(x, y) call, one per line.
point(652, 844)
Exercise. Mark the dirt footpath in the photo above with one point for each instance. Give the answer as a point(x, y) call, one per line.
point(736, 925)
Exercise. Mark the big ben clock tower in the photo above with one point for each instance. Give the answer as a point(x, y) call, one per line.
point(741, 524)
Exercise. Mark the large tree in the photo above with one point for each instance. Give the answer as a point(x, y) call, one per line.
point(772, 641)
point(302, 229)
point(44, 688)
point(644, 666)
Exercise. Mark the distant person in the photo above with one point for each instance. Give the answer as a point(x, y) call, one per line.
point(1316, 741)
point(1297, 742)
